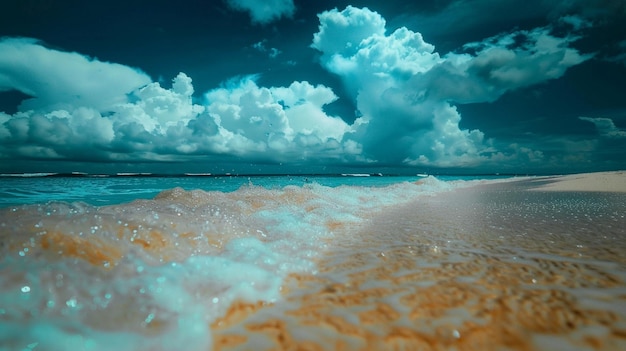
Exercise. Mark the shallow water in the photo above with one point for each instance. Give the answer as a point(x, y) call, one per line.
point(436, 265)
point(101, 190)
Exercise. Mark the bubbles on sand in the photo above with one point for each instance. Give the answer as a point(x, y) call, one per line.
point(318, 267)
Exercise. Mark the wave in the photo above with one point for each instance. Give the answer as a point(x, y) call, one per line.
point(178, 249)
point(153, 274)
point(27, 175)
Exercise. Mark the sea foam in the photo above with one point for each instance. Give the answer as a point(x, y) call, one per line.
point(156, 274)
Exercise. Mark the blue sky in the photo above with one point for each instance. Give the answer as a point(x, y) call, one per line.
point(285, 86)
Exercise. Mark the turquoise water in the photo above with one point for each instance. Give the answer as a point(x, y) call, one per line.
point(99, 191)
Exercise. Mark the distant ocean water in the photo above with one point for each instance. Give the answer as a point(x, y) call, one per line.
point(98, 189)
point(343, 262)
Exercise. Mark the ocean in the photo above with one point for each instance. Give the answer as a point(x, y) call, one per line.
point(110, 189)
point(344, 262)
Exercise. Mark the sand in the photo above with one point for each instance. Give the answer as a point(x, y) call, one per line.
point(488, 268)
point(600, 181)
point(530, 264)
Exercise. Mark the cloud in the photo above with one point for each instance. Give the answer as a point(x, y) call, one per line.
point(239, 119)
point(405, 91)
point(84, 109)
point(340, 32)
point(63, 80)
point(261, 47)
point(156, 107)
point(286, 121)
point(605, 127)
point(82, 134)
point(488, 69)
point(264, 12)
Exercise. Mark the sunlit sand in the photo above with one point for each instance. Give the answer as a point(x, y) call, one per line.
point(476, 269)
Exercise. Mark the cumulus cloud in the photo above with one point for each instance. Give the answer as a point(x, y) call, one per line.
point(287, 121)
point(405, 91)
point(264, 12)
point(156, 107)
point(86, 109)
point(160, 124)
point(57, 79)
point(341, 32)
point(82, 134)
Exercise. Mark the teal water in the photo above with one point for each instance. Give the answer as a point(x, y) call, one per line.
point(110, 190)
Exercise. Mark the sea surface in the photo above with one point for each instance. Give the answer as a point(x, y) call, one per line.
point(109, 189)
point(343, 262)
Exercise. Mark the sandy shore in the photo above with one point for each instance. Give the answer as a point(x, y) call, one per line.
point(600, 181)
point(488, 267)
point(484, 268)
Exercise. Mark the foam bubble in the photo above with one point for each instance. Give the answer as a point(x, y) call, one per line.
point(155, 274)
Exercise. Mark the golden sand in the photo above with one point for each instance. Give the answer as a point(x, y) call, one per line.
point(459, 279)
point(497, 311)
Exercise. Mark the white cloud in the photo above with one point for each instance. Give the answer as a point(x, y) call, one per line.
point(341, 32)
point(404, 89)
point(605, 127)
point(80, 134)
point(63, 80)
point(239, 119)
point(264, 12)
point(167, 106)
point(287, 120)
point(507, 62)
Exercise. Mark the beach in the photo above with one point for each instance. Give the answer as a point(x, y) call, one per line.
point(535, 263)
point(600, 181)
point(484, 273)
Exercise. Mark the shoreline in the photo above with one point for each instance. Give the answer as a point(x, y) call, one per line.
point(482, 267)
point(613, 181)
point(468, 265)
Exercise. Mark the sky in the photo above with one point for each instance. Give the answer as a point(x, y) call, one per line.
point(288, 86)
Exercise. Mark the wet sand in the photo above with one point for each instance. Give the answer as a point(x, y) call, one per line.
point(493, 267)
point(508, 265)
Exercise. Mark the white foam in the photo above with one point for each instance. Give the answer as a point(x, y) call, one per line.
point(154, 274)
